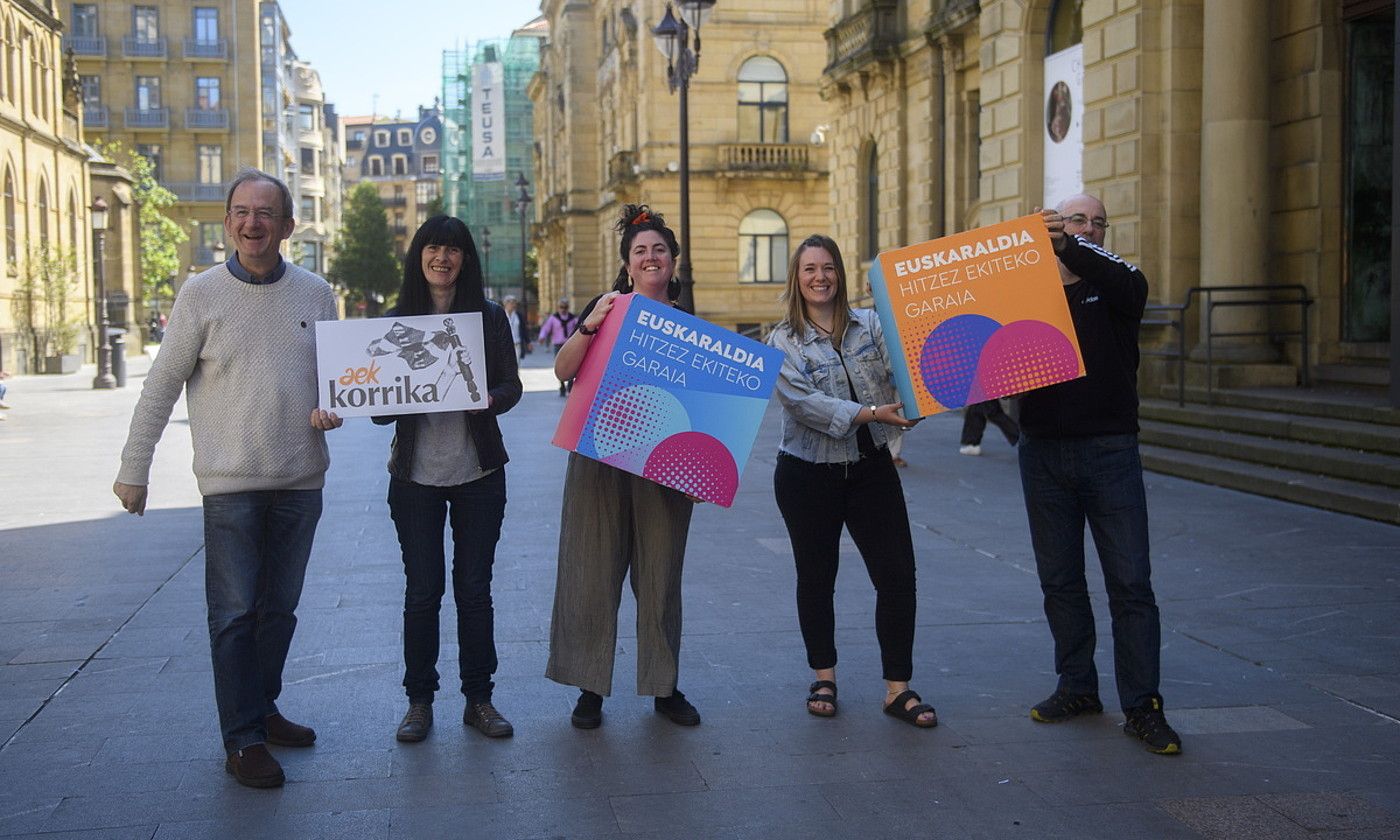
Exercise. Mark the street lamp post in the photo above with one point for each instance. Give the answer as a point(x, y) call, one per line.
point(104, 379)
point(522, 205)
point(673, 38)
point(486, 264)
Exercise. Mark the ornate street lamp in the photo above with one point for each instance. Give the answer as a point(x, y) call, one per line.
point(522, 205)
point(679, 41)
point(104, 379)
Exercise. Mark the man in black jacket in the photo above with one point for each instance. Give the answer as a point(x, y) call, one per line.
point(1079, 461)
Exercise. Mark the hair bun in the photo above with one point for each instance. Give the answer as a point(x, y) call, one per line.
point(633, 215)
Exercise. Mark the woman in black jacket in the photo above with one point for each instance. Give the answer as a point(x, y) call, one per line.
point(449, 467)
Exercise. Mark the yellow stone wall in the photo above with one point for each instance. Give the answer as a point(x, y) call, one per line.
point(39, 152)
point(616, 140)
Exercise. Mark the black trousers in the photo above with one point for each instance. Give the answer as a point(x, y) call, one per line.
point(975, 419)
point(865, 497)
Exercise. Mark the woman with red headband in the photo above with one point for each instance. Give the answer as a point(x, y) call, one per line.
point(614, 523)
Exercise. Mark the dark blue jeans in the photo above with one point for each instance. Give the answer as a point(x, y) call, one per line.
point(256, 545)
point(475, 511)
point(1098, 480)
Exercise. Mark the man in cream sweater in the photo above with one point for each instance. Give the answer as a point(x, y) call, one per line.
point(241, 342)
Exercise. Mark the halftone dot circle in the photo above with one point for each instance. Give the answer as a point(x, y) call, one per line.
point(948, 360)
point(1021, 356)
point(636, 417)
point(695, 463)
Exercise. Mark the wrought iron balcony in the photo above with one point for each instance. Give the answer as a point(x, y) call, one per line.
point(764, 157)
point(147, 117)
point(869, 34)
point(133, 47)
point(195, 191)
point(395, 201)
point(195, 48)
point(95, 116)
point(85, 44)
point(216, 118)
point(622, 166)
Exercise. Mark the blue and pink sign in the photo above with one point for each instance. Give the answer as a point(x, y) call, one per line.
point(670, 397)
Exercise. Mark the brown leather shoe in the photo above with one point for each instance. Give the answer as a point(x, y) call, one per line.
point(255, 767)
point(284, 733)
point(484, 717)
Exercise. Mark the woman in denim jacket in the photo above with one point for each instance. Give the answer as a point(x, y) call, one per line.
point(834, 469)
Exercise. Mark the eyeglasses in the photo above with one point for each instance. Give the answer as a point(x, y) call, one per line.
point(1081, 219)
point(262, 214)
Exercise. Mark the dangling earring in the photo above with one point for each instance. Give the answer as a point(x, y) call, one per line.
point(630, 285)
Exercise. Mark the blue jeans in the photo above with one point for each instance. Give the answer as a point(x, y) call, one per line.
point(1098, 479)
point(475, 511)
point(256, 545)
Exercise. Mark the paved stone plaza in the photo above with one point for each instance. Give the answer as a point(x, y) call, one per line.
point(1281, 666)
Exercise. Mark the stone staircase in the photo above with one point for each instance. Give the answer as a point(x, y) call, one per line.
point(1335, 446)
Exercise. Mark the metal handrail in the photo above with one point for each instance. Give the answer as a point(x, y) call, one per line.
point(1206, 293)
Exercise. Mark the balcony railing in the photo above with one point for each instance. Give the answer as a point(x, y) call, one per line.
point(195, 48)
point(399, 230)
point(95, 116)
point(147, 117)
point(870, 34)
point(764, 157)
point(622, 166)
point(133, 47)
point(86, 44)
point(206, 118)
point(395, 201)
point(194, 191)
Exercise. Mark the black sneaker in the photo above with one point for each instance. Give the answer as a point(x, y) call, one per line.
point(490, 722)
point(588, 711)
point(1149, 725)
point(1061, 706)
point(678, 709)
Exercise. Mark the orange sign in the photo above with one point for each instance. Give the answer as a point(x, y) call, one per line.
point(975, 316)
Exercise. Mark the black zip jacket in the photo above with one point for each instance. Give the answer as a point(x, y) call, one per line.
point(502, 383)
point(1106, 306)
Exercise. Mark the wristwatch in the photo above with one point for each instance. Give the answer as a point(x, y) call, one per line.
point(583, 328)
point(872, 408)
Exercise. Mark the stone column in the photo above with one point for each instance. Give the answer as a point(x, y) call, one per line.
point(1235, 169)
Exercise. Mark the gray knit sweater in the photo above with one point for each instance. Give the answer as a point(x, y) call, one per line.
point(246, 356)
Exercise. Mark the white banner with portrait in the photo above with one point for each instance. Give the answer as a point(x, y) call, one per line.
point(1063, 126)
point(488, 122)
point(416, 364)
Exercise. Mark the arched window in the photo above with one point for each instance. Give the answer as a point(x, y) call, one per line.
point(1065, 29)
point(763, 101)
point(763, 248)
point(43, 206)
point(11, 237)
point(871, 238)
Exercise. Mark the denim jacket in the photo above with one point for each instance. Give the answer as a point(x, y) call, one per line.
point(819, 418)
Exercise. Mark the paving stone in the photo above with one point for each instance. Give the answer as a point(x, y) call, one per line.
point(1233, 817)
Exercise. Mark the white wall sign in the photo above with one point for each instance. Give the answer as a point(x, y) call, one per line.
point(488, 122)
point(416, 364)
point(1063, 126)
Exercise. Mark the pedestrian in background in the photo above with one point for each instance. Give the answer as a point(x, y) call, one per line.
point(241, 343)
point(517, 329)
point(4, 389)
point(1080, 462)
point(975, 419)
point(557, 329)
point(835, 469)
point(448, 469)
point(614, 524)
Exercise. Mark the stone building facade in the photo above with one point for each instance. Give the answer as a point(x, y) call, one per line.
point(402, 158)
point(607, 134)
point(44, 189)
point(1234, 143)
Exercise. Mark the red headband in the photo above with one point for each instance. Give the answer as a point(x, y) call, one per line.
point(641, 218)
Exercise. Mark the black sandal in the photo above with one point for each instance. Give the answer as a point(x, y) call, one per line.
point(895, 708)
point(814, 697)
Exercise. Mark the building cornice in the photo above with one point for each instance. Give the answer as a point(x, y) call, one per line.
point(40, 13)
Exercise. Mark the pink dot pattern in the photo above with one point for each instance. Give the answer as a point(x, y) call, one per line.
point(948, 361)
point(695, 463)
point(1021, 356)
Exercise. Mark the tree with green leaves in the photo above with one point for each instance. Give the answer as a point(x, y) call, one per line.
point(364, 264)
point(161, 237)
